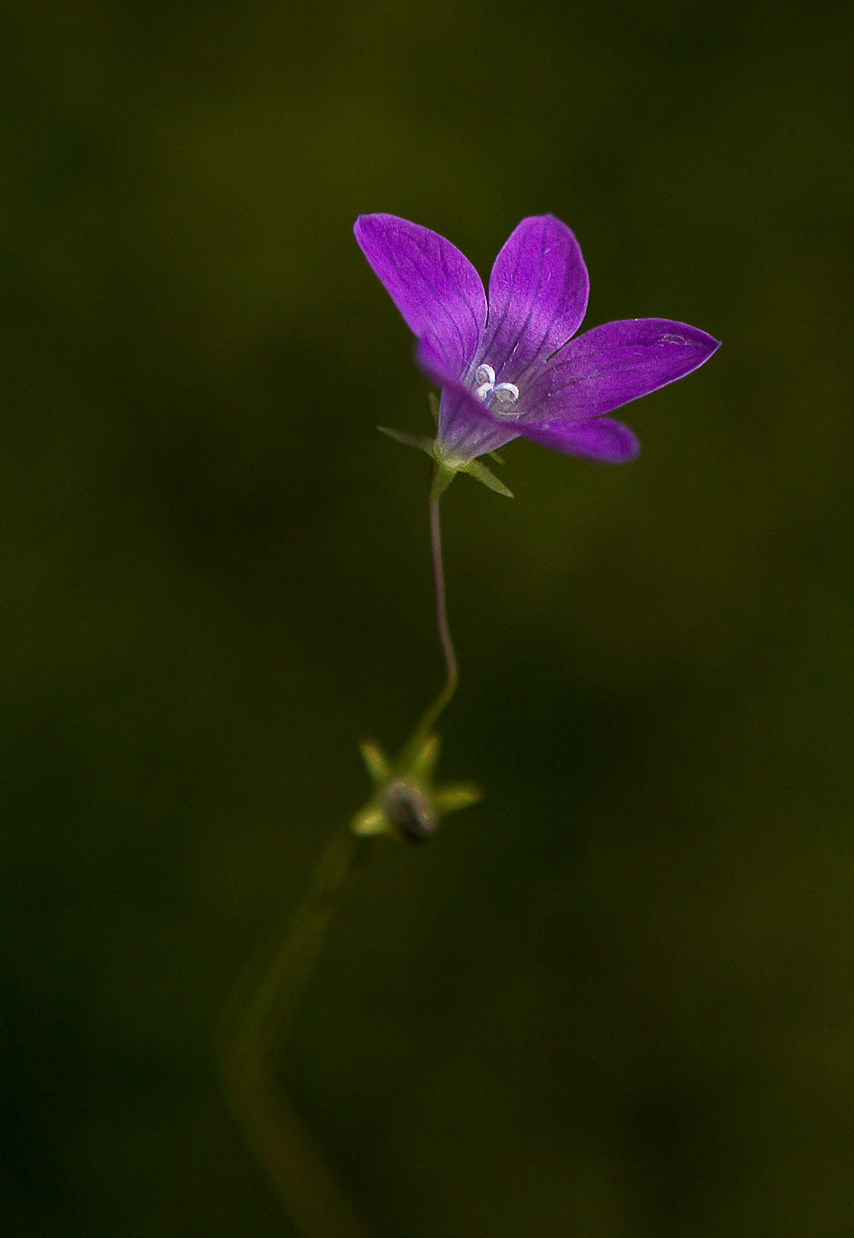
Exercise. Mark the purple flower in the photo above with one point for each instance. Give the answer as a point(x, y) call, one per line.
point(510, 366)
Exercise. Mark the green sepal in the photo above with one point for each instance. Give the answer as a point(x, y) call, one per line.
point(434, 408)
point(410, 440)
point(376, 762)
point(442, 478)
point(481, 473)
point(371, 820)
point(456, 795)
point(425, 759)
point(493, 455)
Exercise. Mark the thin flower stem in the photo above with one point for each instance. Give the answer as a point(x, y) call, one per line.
point(441, 612)
point(453, 676)
point(262, 1012)
point(257, 1025)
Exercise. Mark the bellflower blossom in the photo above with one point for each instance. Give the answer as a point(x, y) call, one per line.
point(509, 365)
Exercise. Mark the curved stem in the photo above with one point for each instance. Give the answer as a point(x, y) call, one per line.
point(259, 1023)
point(262, 1013)
point(441, 613)
point(453, 676)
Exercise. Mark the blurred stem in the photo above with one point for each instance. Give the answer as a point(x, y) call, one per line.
point(452, 671)
point(263, 1011)
point(441, 612)
point(259, 1024)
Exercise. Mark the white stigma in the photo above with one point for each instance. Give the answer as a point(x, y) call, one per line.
point(498, 397)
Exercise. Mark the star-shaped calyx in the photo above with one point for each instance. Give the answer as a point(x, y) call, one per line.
point(446, 465)
point(405, 802)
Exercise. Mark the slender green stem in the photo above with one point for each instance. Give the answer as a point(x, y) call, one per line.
point(452, 671)
point(258, 1025)
point(262, 1013)
point(441, 612)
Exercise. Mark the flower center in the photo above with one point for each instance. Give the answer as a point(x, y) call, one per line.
point(498, 397)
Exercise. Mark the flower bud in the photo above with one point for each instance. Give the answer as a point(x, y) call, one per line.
point(406, 803)
point(409, 808)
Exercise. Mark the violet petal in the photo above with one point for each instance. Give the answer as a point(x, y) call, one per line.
point(598, 439)
point(435, 287)
point(612, 364)
point(537, 296)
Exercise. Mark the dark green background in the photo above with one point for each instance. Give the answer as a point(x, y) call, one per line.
point(615, 1000)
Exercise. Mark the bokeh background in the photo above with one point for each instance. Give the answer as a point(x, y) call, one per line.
point(614, 1000)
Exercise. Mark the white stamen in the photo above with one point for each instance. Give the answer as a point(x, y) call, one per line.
point(485, 376)
point(499, 397)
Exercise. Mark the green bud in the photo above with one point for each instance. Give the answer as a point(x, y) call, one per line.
point(405, 803)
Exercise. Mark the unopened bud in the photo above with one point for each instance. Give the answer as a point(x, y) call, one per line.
point(407, 806)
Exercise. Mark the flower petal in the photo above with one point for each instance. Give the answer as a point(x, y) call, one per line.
point(466, 426)
point(610, 365)
point(435, 287)
point(598, 439)
point(537, 296)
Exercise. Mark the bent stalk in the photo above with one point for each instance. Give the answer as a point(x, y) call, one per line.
point(259, 1026)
